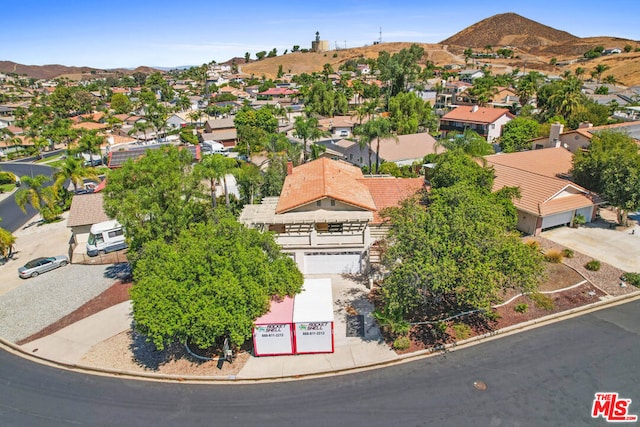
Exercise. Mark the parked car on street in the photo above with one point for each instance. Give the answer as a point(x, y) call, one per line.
point(42, 265)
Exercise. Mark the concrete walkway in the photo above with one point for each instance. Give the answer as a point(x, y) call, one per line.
point(69, 344)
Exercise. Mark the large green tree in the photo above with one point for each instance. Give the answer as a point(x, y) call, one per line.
point(518, 133)
point(611, 167)
point(459, 251)
point(155, 197)
point(210, 283)
point(215, 168)
point(410, 114)
point(374, 130)
point(7, 240)
point(307, 129)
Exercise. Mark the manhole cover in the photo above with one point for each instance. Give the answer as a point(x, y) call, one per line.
point(355, 325)
point(479, 385)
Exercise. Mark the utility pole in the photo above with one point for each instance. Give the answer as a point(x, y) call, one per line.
point(380, 39)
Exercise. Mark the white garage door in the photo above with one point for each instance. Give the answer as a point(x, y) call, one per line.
point(558, 219)
point(332, 263)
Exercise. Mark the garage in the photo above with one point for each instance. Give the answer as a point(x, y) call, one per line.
point(332, 262)
point(557, 219)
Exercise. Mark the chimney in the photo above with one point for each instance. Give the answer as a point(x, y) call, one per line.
point(474, 108)
point(585, 125)
point(554, 134)
point(289, 168)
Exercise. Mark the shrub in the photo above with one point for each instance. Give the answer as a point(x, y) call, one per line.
point(580, 219)
point(492, 315)
point(632, 279)
point(533, 244)
point(462, 331)
point(402, 343)
point(542, 301)
point(521, 308)
point(593, 265)
point(554, 255)
point(568, 253)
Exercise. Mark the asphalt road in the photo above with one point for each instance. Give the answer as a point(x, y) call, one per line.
point(12, 217)
point(543, 377)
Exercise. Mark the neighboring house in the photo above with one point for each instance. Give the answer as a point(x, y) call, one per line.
point(338, 126)
point(327, 216)
point(469, 76)
point(6, 121)
point(279, 93)
point(547, 199)
point(86, 210)
point(117, 158)
point(227, 137)
point(406, 150)
point(219, 124)
point(176, 121)
point(580, 138)
point(487, 122)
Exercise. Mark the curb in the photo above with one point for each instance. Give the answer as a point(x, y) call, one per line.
point(233, 379)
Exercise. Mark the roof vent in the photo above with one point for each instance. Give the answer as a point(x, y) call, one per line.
point(474, 108)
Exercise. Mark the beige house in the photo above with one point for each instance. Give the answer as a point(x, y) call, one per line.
point(328, 215)
point(86, 210)
point(580, 138)
point(547, 198)
point(405, 150)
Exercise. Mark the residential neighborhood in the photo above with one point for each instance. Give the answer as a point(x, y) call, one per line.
point(290, 224)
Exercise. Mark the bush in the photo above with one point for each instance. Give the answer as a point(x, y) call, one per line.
point(554, 255)
point(462, 331)
point(492, 315)
point(542, 301)
point(402, 343)
point(521, 308)
point(533, 244)
point(632, 279)
point(580, 219)
point(568, 253)
point(593, 265)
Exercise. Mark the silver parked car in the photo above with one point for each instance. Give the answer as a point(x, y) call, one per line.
point(42, 265)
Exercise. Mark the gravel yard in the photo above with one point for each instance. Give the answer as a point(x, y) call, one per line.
point(47, 298)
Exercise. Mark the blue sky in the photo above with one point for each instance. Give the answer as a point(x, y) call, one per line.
point(118, 33)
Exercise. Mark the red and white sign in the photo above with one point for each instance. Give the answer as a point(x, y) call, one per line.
point(612, 408)
point(273, 332)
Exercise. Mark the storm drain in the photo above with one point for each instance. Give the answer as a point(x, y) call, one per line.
point(355, 325)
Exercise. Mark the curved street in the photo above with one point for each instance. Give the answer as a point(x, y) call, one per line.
point(12, 217)
point(545, 376)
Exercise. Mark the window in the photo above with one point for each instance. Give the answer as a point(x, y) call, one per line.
point(115, 233)
point(319, 203)
point(351, 156)
point(335, 228)
point(333, 202)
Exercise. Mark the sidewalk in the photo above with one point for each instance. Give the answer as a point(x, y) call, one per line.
point(69, 344)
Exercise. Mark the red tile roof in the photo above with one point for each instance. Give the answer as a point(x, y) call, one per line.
point(475, 114)
point(389, 191)
point(547, 161)
point(279, 91)
point(324, 178)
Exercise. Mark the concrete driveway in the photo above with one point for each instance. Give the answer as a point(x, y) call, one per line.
point(620, 249)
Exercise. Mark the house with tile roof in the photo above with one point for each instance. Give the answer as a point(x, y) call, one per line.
point(327, 216)
point(405, 150)
point(579, 139)
point(547, 198)
point(487, 122)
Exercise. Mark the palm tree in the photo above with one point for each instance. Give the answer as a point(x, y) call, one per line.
point(307, 129)
point(34, 193)
point(568, 99)
point(610, 79)
point(600, 68)
point(215, 168)
point(375, 129)
point(579, 72)
point(73, 170)
point(317, 150)
point(528, 86)
point(138, 127)
point(90, 142)
point(7, 240)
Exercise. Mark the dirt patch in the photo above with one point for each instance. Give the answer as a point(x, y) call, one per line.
point(129, 351)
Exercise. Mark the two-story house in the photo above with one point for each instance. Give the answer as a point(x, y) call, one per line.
point(487, 122)
point(328, 215)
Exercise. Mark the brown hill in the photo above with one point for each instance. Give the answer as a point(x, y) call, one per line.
point(508, 29)
point(42, 71)
point(308, 62)
point(73, 73)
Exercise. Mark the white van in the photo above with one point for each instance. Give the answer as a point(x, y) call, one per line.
point(107, 236)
